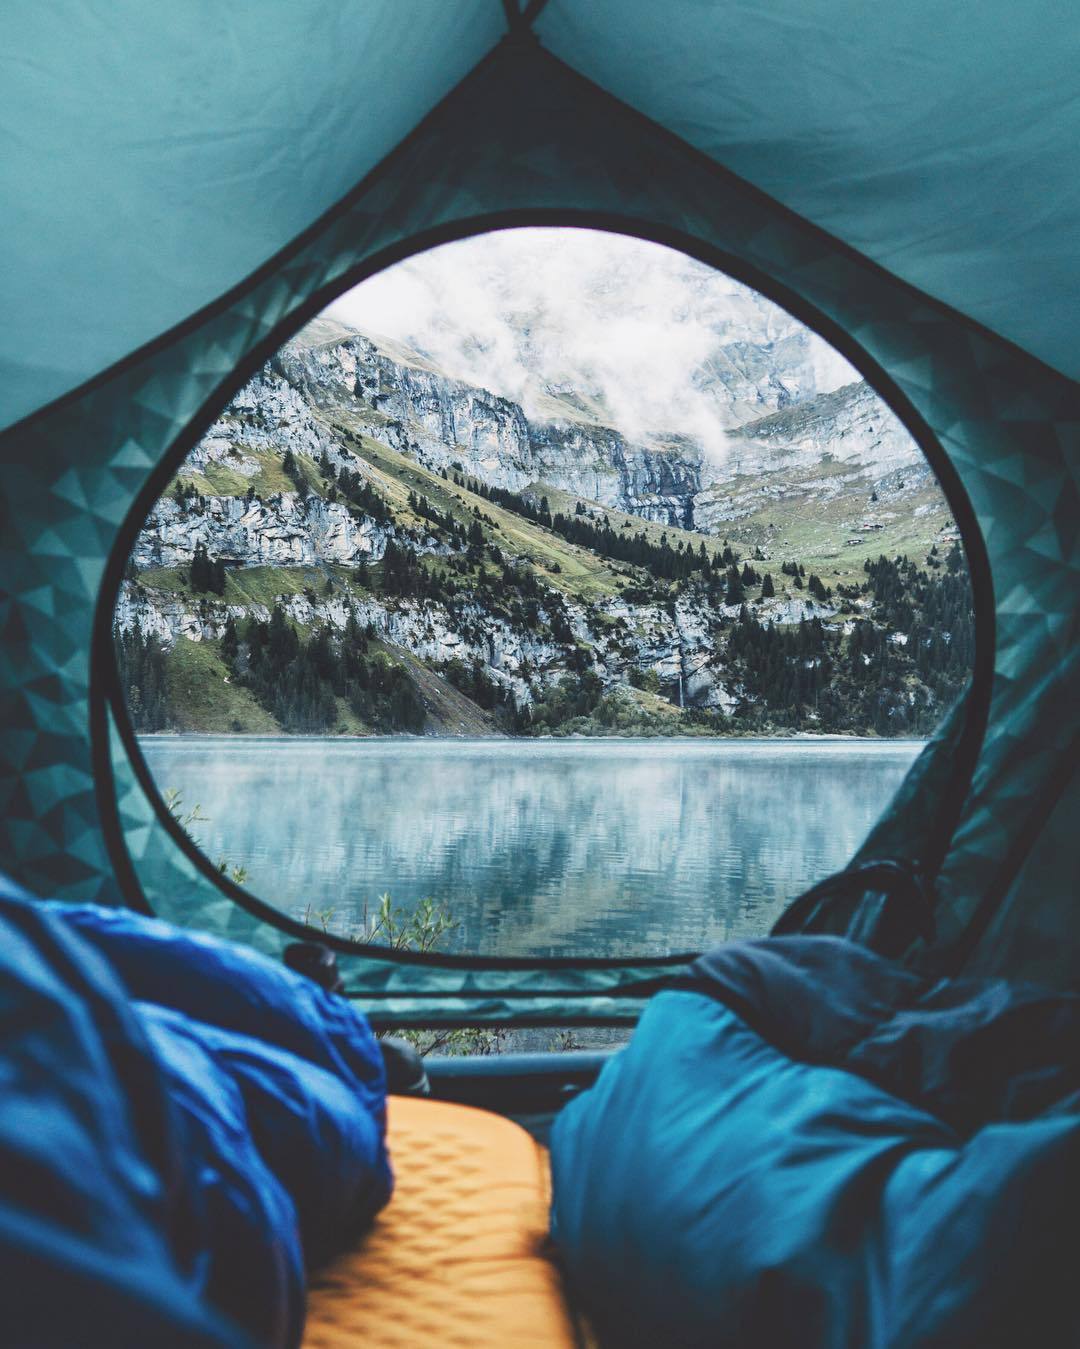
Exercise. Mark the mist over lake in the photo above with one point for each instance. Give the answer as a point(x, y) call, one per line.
point(537, 847)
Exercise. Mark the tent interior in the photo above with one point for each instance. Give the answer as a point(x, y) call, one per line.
point(184, 189)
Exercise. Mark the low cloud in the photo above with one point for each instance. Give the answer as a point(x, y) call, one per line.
point(656, 339)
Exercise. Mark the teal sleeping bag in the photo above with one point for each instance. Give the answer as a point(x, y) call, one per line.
point(805, 1145)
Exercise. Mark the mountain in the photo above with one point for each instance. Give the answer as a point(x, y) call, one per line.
point(653, 342)
point(365, 542)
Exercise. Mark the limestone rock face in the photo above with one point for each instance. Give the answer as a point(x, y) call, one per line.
point(844, 444)
point(285, 531)
point(409, 405)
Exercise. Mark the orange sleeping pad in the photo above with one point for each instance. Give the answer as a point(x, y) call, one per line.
point(460, 1254)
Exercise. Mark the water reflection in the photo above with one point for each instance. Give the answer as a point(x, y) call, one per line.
point(595, 847)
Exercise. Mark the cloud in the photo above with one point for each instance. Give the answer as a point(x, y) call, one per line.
point(656, 339)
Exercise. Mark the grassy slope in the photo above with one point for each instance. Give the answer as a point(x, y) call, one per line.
point(219, 479)
point(264, 585)
point(807, 529)
point(243, 585)
point(582, 575)
point(798, 527)
point(204, 699)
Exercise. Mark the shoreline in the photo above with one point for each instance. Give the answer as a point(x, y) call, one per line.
point(799, 737)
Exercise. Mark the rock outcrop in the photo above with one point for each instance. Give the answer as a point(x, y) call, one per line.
point(286, 531)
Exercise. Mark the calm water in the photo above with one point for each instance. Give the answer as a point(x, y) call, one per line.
point(589, 847)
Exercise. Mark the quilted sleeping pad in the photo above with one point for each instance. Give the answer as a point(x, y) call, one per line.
point(460, 1256)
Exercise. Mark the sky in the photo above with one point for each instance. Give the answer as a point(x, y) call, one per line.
point(630, 322)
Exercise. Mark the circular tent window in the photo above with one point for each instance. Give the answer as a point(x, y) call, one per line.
point(550, 594)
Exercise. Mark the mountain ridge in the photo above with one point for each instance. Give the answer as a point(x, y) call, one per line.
point(352, 492)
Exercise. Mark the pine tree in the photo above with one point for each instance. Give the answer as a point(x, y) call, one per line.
point(735, 592)
point(141, 666)
point(230, 644)
point(200, 574)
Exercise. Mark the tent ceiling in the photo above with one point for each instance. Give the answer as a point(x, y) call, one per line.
point(942, 141)
point(155, 154)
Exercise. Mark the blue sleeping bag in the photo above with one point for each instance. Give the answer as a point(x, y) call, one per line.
point(186, 1129)
point(805, 1145)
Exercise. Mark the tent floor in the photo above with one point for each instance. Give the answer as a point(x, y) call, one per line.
point(460, 1255)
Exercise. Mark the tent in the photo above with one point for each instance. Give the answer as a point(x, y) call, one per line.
point(184, 186)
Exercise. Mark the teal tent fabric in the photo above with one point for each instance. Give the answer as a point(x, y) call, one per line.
point(154, 155)
point(524, 139)
point(940, 141)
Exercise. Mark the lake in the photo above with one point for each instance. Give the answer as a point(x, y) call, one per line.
point(538, 847)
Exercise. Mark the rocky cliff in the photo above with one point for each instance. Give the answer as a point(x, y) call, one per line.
point(400, 398)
